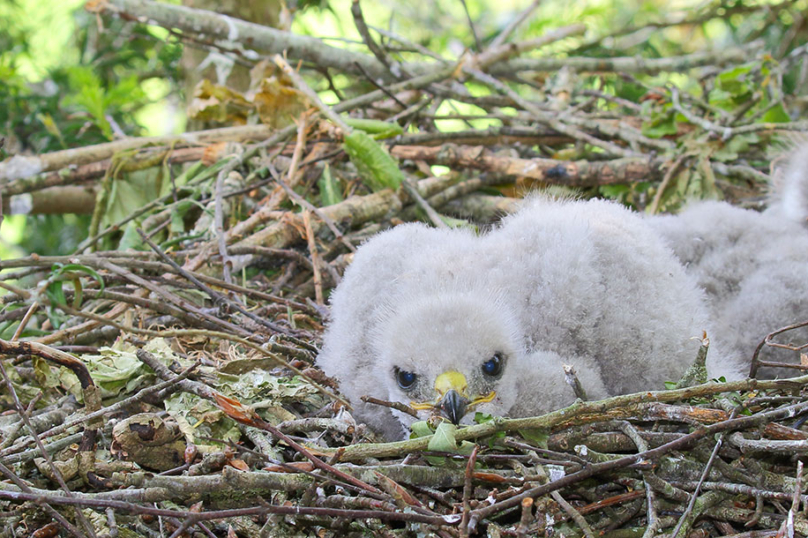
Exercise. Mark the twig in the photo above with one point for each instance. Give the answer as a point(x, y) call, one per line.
point(497, 54)
point(757, 363)
point(305, 204)
point(670, 173)
point(526, 519)
point(514, 24)
point(478, 46)
point(92, 399)
point(741, 489)
point(216, 334)
point(650, 497)
point(467, 487)
point(24, 322)
point(168, 296)
point(568, 173)
point(392, 405)
point(219, 224)
point(409, 44)
point(315, 258)
point(546, 118)
point(214, 295)
point(297, 154)
point(627, 64)
point(686, 521)
point(378, 52)
point(572, 380)
point(243, 414)
point(380, 86)
point(751, 446)
point(122, 404)
point(680, 443)
point(304, 88)
point(120, 258)
point(433, 215)
point(145, 209)
point(51, 511)
point(57, 475)
point(262, 510)
point(574, 514)
point(88, 162)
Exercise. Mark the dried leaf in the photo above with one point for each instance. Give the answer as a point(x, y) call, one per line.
point(217, 103)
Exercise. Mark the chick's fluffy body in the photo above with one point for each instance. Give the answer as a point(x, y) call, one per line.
point(754, 269)
point(559, 282)
point(753, 266)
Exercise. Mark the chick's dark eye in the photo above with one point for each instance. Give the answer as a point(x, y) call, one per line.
point(405, 379)
point(493, 366)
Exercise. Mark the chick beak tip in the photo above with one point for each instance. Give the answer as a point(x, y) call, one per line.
point(453, 406)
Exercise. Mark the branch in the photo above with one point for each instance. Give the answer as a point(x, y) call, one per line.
point(22, 167)
point(630, 64)
point(221, 27)
point(569, 173)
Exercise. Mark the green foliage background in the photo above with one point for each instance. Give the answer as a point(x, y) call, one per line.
point(68, 82)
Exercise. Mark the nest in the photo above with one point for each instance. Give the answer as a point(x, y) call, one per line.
point(162, 377)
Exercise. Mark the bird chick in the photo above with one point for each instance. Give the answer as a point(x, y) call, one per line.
point(753, 266)
point(451, 322)
point(788, 198)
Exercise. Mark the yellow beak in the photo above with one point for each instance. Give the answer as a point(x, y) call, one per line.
point(450, 381)
point(452, 400)
point(451, 388)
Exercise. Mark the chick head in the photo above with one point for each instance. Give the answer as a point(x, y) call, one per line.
point(450, 353)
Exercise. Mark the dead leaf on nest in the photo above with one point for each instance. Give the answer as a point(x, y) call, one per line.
point(272, 98)
point(217, 103)
point(149, 441)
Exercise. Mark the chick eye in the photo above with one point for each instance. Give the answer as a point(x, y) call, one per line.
point(493, 366)
point(405, 379)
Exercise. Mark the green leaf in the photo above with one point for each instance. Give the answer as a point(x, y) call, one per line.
point(130, 238)
point(444, 438)
point(457, 223)
point(56, 293)
point(54, 290)
point(378, 128)
point(732, 87)
point(177, 224)
point(614, 191)
point(720, 98)
point(660, 125)
point(46, 375)
point(735, 146)
point(182, 179)
point(89, 95)
point(330, 192)
point(60, 270)
point(50, 125)
point(131, 191)
point(537, 436)
point(444, 441)
point(420, 429)
point(776, 114)
point(78, 293)
point(734, 77)
point(376, 167)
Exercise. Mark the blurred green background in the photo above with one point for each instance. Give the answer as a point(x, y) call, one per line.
point(68, 79)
